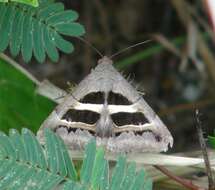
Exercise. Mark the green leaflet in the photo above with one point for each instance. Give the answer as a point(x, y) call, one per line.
point(19, 145)
point(57, 156)
point(148, 184)
point(49, 45)
point(118, 174)
point(6, 26)
point(35, 154)
point(27, 38)
point(104, 180)
point(15, 42)
point(49, 10)
point(49, 167)
point(70, 169)
point(11, 176)
point(211, 141)
point(71, 186)
point(70, 29)
point(63, 45)
point(39, 51)
point(7, 145)
point(139, 182)
point(23, 178)
point(37, 31)
point(87, 167)
point(13, 168)
point(62, 17)
point(129, 177)
point(99, 171)
point(33, 3)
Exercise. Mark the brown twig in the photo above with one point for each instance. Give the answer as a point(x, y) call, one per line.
point(186, 107)
point(202, 47)
point(184, 182)
point(201, 20)
point(211, 184)
point(210, 12)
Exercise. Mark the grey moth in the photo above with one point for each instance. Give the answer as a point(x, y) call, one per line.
point(107, 107)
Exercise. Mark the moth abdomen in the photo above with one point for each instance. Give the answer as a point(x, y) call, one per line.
point(104, 126)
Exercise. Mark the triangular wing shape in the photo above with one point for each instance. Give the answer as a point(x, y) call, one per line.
point(128, 126)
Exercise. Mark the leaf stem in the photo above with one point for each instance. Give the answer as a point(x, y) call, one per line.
point(19, 68)
point(211, 184)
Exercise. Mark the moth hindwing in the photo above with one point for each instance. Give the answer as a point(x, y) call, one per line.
point(106, 106)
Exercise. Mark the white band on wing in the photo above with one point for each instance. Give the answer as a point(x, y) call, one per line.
point(111, 108)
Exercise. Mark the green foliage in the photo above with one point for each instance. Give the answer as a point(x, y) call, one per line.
point(25, 164)
point(20, 106)
point(33, 3)
point(37, 31)
point(211, 141)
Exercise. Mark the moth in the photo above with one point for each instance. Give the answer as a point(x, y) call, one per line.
point(105, 106)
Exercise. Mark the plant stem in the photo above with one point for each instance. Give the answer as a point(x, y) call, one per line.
point(211, 184)
point(184, 182)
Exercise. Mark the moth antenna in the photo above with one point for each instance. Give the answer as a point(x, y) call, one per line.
point(63, 96)
point(59, 97)
point(75, 98)
point(91, 45)
point(129, 47)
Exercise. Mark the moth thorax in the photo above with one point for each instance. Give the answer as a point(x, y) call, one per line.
point(104, 126)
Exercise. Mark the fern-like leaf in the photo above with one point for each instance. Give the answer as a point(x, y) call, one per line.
point(37, 31)
point(33, 3)
point(95, 173)
point(25, 164)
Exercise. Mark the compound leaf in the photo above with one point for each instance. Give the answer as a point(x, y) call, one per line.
point(37, 31)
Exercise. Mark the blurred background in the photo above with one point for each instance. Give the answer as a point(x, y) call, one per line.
point(176, 70)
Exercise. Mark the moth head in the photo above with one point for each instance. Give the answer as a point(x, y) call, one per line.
point(105, 60)
point(106, 107)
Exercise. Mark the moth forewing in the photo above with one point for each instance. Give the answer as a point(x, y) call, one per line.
point(143, 132)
